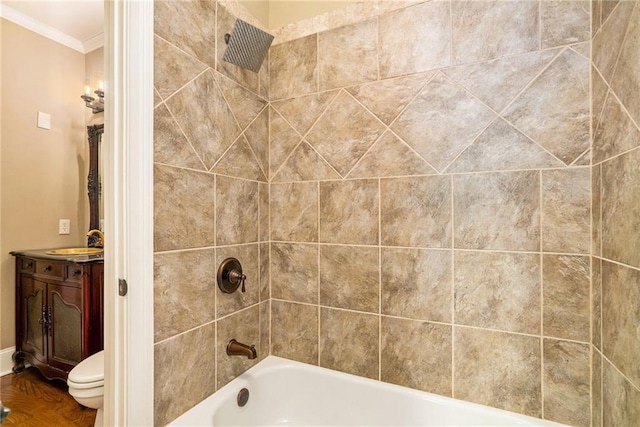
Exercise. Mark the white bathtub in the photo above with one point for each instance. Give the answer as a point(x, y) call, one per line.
point(284, 392)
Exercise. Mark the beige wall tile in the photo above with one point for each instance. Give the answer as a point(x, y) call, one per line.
point(244, 327)
point(390, 156)
point(566, 297)
point(502, 147)
point(608, 41)
point(616, 133)
point(173, 68)
point(441, 121)
point(348, 55)
point(626, 80)
point(564, 22)
point(596, 388)
point(498, 369)
point(416, 283)
point(184, 373)
point(183, 209)
point(554, 109)
point(596, 302)
point(282, 141)
point(359, 332)
point(294, 331)
point(497, 291)
point(257, 135)
point(620, 208)
point(294, 212)
point(294, 270)
point(621, 317)
point(404, 34)
point(596, 210)
point(566, 382)
point(240, 162)
point(349, 212)
point(263, 215)
point(242, 195)
point(294, 68)
point(596, 13)
point(350, 277)
point(566, 210)
point(491, 29)
point(599, 90)
point(416, 354)
point(188, 26)
point(621, 400)
point(205, 118)
point(416, 212)
point(170, 146)
point(387, 98)
point(497, 211)
point(498, 82)
point(265, 271)
point(244, 104)
point(305, 164)
point(303, 111)
point(265, 330)
point(344, 132)
point(184, 291)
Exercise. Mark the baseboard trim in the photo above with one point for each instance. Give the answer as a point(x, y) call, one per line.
point(6, 363)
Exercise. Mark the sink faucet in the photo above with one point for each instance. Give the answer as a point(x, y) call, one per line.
point(235, 348)
point(96, 238)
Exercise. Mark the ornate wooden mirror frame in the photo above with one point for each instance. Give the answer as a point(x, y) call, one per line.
point(93, 185)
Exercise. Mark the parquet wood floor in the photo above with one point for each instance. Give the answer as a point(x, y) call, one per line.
point(37, 402)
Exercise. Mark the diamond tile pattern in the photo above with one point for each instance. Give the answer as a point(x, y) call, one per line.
point(305, 164)
point(244, 104)
point(205, 118)
point(442, 121)
point(303, 112)
point(172, 67)
point(554, 111)
point(344, 132)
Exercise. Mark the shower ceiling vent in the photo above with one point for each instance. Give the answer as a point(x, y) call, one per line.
point(247, 46)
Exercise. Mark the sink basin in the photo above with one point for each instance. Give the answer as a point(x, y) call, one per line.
point(75, 251)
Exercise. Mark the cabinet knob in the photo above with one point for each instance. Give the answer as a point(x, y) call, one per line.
point(47, 268)
point(77, 272)
point(28, 264)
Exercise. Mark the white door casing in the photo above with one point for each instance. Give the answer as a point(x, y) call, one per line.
point(128, 193)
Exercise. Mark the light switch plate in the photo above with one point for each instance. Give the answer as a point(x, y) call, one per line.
point(44, 120)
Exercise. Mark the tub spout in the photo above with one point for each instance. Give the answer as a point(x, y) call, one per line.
point(235, 348)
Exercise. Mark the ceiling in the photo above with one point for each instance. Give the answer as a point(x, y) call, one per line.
point(82, 20)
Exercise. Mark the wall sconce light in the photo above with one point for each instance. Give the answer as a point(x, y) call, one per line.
point(96, 105)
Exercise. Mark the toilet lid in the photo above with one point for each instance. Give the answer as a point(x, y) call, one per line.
point(90, 370)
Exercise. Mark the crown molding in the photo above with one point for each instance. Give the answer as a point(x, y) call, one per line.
point(49, 32)
point(93, 43)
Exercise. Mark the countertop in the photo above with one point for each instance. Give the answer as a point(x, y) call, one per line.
point(42, 254)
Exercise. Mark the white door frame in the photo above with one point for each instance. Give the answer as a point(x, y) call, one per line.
point(128, 191)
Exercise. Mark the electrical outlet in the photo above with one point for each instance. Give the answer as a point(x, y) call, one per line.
point(102, 224)
point(64, 226)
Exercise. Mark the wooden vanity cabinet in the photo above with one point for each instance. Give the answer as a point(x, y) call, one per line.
point(59, 314)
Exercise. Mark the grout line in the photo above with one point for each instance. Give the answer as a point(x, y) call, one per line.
point(453, 287)
point(379, 279)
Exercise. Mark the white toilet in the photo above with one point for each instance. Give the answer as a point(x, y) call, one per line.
point(86, 384)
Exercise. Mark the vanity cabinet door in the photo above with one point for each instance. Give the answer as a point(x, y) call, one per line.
point(65, 326)
point(33, 298)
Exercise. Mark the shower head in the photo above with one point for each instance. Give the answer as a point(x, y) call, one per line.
point(247, 46)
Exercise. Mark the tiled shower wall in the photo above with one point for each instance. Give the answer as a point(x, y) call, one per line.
point(211, 197)
point(616, 213)
point(430, 202)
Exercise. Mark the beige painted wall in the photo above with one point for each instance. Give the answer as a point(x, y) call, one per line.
point(277, 13)
point(94, 74)
point(43, 172)
point(286, 12)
